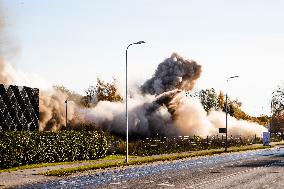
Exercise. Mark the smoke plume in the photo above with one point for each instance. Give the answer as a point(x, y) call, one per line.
point(173, 73)
point(192, 119)
point(159, 106)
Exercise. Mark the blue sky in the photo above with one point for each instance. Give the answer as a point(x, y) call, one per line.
point(72, 42)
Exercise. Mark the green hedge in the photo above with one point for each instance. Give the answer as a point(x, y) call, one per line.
point(177, 144)
point(22, 148)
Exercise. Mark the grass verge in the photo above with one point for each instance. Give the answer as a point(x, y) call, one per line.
point(33, 166)
point(144, 160)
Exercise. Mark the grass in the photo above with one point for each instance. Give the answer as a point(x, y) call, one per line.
point(279, 143)
point(33, 166)
point(144, 160)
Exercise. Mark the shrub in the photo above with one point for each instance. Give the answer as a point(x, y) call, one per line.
point(22, 148)
point(177, 144)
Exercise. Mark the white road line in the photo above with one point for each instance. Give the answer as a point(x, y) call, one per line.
point(166, 184)
point(115, 183)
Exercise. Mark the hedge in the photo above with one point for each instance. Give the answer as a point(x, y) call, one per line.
point(177, 144)
point(22, 148)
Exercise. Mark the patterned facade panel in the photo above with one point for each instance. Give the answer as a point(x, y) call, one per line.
point(19, 108)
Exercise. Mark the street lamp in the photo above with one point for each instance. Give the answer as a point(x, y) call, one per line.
point(226, 142)
point(126, 109)
point(66, 113)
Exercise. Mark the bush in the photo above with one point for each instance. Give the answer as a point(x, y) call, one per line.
point(177, 144)
point(22, 148)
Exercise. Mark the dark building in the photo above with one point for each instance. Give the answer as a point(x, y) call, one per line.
point(19, 108)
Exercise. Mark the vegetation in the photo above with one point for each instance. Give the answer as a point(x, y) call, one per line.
point(166, 145)
point(22, 148)
point(278, 100)
point(277, 125)
point(210, 100)
point(33, 166)
point(103, 91)
point(143, 160)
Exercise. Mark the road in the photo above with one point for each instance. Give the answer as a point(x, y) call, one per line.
point(254, 169)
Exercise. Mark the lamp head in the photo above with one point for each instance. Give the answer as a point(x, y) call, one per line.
point(232, 77)
point(139, 42)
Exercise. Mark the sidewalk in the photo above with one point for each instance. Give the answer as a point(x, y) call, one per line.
point(28, 176)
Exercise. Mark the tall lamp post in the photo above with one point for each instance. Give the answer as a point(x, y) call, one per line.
point(226, 142)
point(126, 108)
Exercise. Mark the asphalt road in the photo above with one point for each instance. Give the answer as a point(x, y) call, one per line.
point(254, 169)
point(253, 172)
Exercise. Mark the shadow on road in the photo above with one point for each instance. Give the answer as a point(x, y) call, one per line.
point(275, 161)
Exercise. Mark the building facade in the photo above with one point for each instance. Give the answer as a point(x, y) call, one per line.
point(19, 108)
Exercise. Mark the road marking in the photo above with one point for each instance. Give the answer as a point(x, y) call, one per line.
point(115, 183)
point(166, 184)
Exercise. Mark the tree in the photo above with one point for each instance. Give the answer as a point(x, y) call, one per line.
point(278, 100)
point(90, 98)
point(103, 91)
point(208, 99)
point(211, 101)
point(85, 102)
point(221, 101)
point(277, 103)
point(107, 91)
